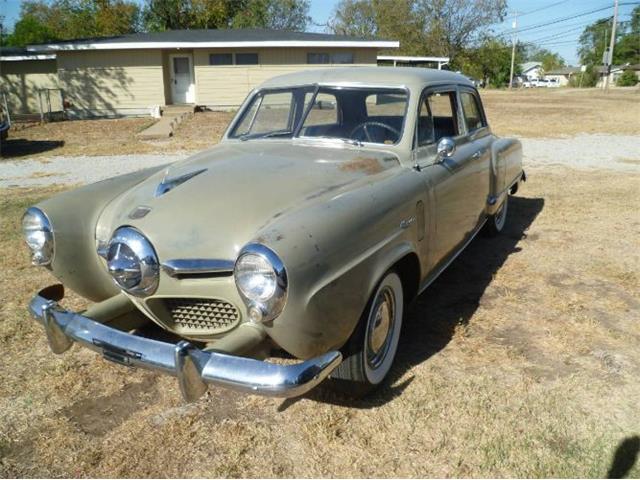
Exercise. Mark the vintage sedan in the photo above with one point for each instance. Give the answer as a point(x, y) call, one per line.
point(335, 197)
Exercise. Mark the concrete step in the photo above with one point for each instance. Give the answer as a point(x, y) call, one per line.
point(167, 124)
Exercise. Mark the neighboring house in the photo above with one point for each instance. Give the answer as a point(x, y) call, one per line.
point(22, 75)
point(531, 70)
point(616, 72)
point(562, 75)
point(134, 74)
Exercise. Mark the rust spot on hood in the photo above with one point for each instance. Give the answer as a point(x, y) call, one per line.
point(366, 165)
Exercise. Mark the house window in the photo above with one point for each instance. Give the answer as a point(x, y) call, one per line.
point(315, 58)
point(342, 57)
point(220, 59)
point(246, 59)
point(336, 58)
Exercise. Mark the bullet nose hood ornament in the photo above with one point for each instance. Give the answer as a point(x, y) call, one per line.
point(168, 184)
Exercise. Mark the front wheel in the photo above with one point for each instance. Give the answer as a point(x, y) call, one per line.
point(496, 222)
point(369, 353)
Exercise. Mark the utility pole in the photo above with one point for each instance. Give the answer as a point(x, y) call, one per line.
point(612, 44)
point(513, 50)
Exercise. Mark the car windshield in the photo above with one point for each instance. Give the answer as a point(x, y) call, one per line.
point(372, 115)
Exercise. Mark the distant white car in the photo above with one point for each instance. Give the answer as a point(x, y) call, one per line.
point(540, 82)
point(553, 83)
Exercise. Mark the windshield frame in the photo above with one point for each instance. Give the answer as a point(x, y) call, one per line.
point(315, 89)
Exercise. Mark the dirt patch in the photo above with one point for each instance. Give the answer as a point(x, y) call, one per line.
point(99, 415)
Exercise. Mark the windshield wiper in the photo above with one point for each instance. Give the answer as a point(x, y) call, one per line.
point(277, 133)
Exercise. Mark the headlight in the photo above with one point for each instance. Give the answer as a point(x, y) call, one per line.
point(38, 235)
point(132, 262)
point(262, 281)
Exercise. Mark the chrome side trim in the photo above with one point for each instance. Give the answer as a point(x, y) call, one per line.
point(194, 368)
point(432, 278)
point(197, 266)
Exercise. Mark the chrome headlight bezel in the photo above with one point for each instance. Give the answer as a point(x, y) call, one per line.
point(35, 221)
point(262, 308)
point(132, 262)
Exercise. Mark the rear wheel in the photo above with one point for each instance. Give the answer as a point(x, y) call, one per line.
point(496, 222)
point(369, 353)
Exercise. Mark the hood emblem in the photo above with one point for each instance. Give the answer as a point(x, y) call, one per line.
point(168, 184)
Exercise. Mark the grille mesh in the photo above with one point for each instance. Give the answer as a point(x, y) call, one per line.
point(202, 314)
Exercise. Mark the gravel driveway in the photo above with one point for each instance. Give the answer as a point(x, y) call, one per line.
point(583, 152)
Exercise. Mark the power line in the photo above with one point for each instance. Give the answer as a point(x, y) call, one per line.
point(563, 19)
point(570, 31)
point(544, 8)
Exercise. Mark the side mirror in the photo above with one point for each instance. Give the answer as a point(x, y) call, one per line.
point(446, 147)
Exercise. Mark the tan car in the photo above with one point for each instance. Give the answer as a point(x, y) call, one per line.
point(335, 197)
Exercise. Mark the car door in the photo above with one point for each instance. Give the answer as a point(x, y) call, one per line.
point(450, 179)
point(478, 137)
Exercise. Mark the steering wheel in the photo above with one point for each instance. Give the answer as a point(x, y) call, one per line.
point(363, 126)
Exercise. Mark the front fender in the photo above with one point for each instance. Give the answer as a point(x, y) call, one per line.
point(73, 216)
point(335, 252)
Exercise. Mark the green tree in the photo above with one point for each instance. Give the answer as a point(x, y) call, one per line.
point(549, 60)
point(29, 30)
point(596, 38)
point(428, 27)
point(627, 79)
point(42, 21)
point(162, 15)
point(489, 61)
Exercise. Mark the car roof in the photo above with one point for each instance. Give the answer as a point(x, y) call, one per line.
point(411, 77)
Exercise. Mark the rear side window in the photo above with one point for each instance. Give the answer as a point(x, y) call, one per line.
point(437, 118)
point(471, 111)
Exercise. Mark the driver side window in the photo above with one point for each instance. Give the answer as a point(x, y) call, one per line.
point(437, 118)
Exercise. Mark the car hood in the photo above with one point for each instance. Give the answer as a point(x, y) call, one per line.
point(233, 192)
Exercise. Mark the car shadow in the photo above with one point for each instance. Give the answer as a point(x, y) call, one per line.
point(449, 303)
point(20, 147)
point(625, 457)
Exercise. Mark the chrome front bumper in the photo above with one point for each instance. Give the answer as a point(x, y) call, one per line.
point(193, 367)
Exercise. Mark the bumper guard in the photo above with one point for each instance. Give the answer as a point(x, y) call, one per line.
point(193, 367)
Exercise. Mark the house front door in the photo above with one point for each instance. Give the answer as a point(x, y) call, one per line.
point(181, 79)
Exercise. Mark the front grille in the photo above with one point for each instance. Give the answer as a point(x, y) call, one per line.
point(202, 314)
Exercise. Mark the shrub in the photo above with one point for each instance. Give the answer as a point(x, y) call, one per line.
point(627, 79)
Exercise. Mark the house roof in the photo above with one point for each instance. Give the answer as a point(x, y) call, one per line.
point(563, 71)
point(616, 68)
point(16, 54)
point(529, 66)
point(216, 38)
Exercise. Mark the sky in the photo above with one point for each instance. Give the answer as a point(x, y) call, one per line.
point(561, 37)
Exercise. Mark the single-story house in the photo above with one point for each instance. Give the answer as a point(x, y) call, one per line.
point(615, 73)
point(134, 74)
point(562, 75)
point(531, 70)
point(23, 74)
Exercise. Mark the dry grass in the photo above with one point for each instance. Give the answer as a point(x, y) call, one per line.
point(522, 113)
point(559, 112)
point(112, 137)
point(521, 360)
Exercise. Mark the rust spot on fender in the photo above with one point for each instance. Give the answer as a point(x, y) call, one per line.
point(366, 165)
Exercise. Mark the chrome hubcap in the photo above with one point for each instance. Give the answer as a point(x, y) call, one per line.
point(380, 327)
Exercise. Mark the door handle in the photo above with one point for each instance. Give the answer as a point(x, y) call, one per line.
point(476, 155)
